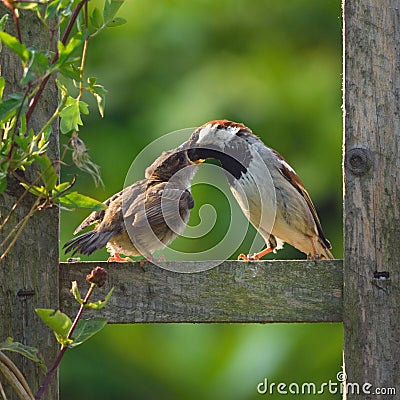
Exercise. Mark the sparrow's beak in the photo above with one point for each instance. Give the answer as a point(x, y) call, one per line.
point(192, 158)
point(197, 162)
point(194, 162)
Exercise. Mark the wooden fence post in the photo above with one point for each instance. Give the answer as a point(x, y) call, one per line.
point(29, 274)
point(372, 194)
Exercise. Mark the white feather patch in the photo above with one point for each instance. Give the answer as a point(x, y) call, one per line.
point(212, 134)
point(286, 165)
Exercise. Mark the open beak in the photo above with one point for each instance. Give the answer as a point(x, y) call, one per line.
point(201, 160)
point(196, 160)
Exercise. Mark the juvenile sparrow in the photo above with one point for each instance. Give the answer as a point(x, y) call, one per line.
point(266, 187)
point(145, 216)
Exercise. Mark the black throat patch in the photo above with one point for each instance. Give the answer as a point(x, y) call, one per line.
point(235, 159)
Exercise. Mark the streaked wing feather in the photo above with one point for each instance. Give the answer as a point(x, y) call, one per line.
point(294, 180)
point(172, 201)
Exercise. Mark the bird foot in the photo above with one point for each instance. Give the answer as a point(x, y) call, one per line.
point(142, 262)
point(255, 256)
point(249, 257)
point(315, 257)
point(116, 258)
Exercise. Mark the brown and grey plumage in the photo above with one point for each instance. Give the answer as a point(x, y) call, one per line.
point(145, 216)
point(266, 187)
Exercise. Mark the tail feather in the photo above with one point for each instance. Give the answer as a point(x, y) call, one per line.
point(88, 242)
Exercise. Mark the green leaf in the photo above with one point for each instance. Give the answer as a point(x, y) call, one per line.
point(29, 352)
point(96, 19)
point(7, 107)
point(75, 292)
point(71, 71)
point(37, 66)
point(65, 52)
point(29, 6)
point(22, 142)
point(117, 21)
point(35, 190)
point(80, 22)
point(3, 21)
point(3, 182)
point(49, 175)
point(2, 84)
point(85, 329)
point(83, 107)
point(77, 200)
point(111, 7)
point(99, 93)
point(61, 187)
point(16, 46)
point(71, 115)
point(98, 305)
point(58, 322)
point(51, 9)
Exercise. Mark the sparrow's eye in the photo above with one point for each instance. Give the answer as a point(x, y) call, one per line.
point(181, 159)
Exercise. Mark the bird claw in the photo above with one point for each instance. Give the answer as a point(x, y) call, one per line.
point(315, 257)
point(142, 262)
point(249, 257)
point(116, 258)
point(255, 256)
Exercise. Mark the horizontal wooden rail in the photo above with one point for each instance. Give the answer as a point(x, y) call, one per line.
point(234, 291)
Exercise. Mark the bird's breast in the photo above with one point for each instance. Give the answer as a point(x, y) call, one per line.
point(255, 193)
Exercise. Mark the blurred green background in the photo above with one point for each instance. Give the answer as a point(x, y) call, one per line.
point(275, 66)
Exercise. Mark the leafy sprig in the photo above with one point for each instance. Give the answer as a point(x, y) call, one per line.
point(68, 333)
point(64, 60)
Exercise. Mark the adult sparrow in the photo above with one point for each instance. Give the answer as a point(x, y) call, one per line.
point(266, 187)
point(145, 216)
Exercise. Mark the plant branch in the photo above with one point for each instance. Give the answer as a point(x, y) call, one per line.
point(15, 377)
point(19, 228)
point(2, 392)
point(15, 205)
point(55, 115)
point(64, 348)
point(84, 52)
point(17, 117)
point(31, 1)
point(35, 99)
point(16, 22)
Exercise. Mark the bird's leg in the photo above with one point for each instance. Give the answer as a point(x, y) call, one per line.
point(142, 262)
point(272, 243)
point(146, 257)
point(315, 255)
point(255, 256)
point(116, 258)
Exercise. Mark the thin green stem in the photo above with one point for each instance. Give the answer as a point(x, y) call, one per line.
point(84, 52)
point(55, 114)
point(64, 348)
point(35, 99)
point(17, 117)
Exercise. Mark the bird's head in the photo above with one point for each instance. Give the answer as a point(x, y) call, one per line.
point(224, 140)
point(170, 163)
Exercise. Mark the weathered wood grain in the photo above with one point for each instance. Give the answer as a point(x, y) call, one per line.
point(270, 291)
point(372, 192)
point(29, 274)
